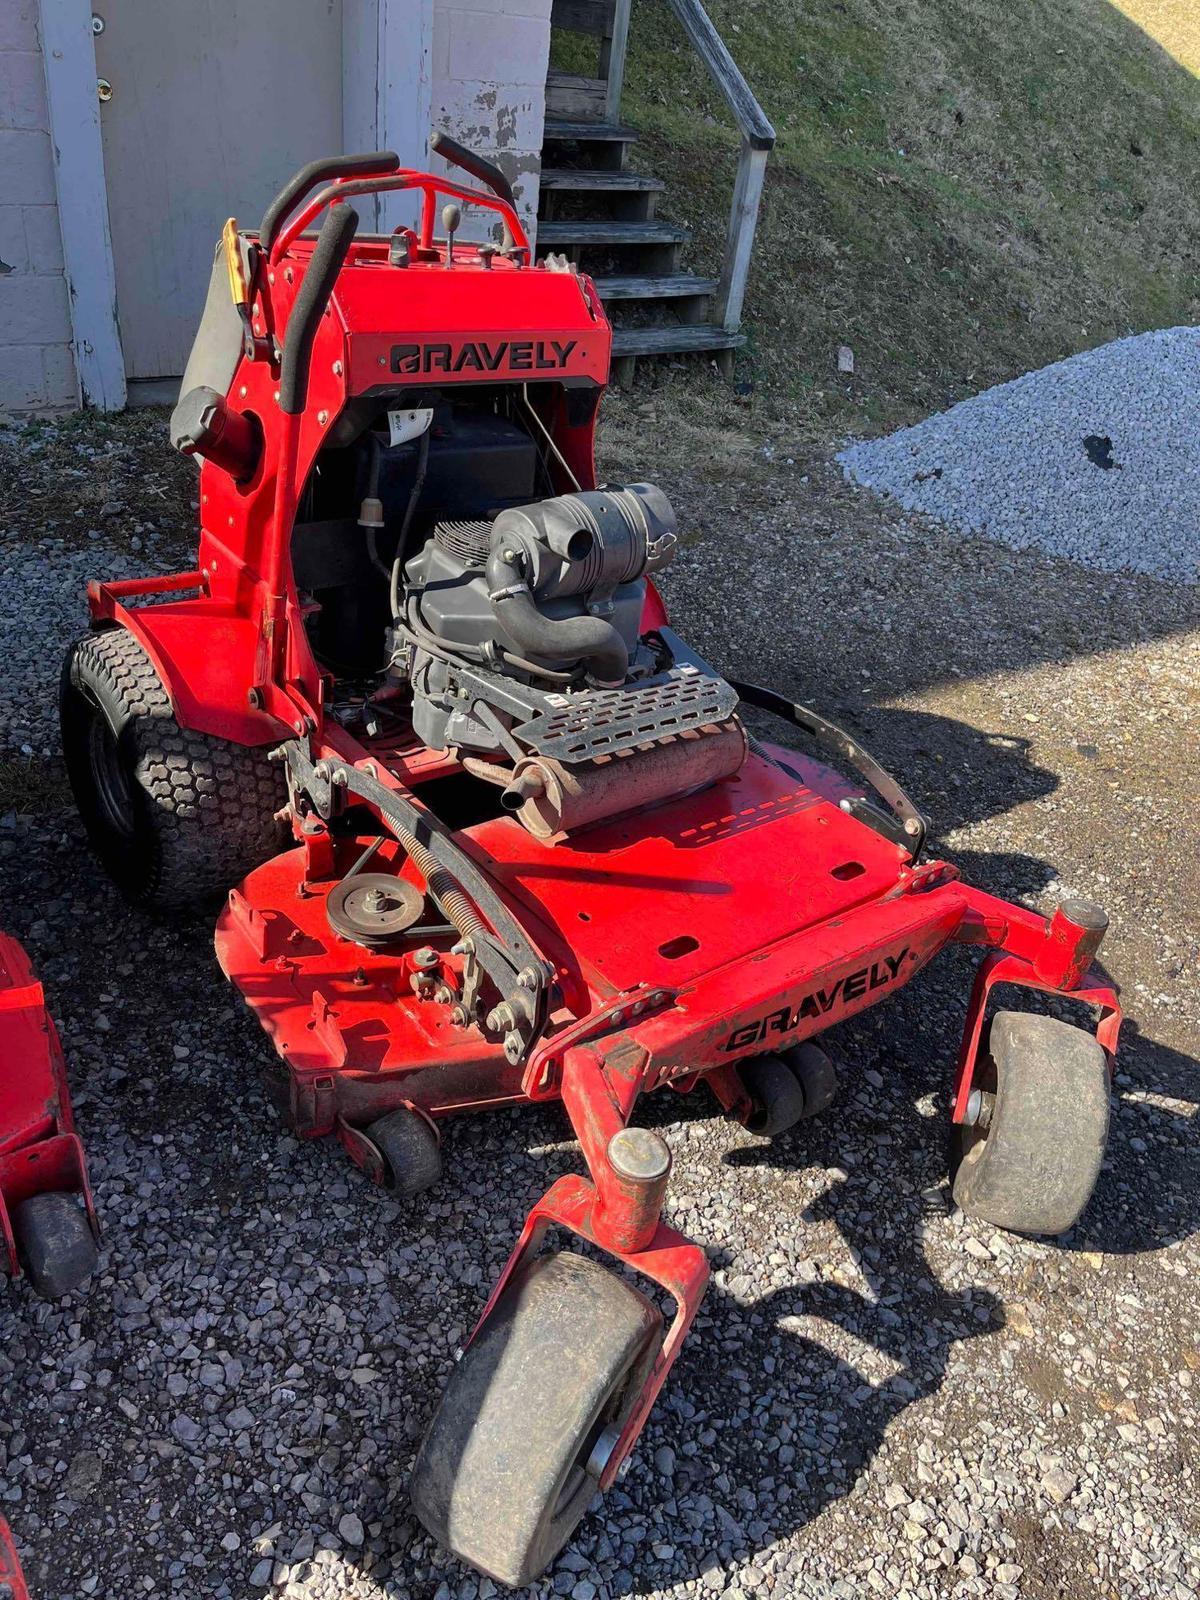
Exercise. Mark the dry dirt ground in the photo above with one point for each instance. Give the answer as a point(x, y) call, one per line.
point(879, 1396)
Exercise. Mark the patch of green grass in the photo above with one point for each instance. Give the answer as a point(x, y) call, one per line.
point(961, 190)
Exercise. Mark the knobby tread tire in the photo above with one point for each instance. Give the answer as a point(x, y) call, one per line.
point(205, 807)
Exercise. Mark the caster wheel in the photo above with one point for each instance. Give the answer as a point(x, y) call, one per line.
point(411, 1151)
point(814, 1072)
point(1031, 1161)
point(530, 1414)
point(54, 1243)
point(778, 1095)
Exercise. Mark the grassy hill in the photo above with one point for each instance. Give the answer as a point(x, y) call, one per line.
point(961, 190)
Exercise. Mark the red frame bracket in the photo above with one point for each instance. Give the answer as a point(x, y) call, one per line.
point(1000, 967)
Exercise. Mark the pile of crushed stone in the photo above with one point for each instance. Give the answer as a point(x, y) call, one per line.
point(1096, 458)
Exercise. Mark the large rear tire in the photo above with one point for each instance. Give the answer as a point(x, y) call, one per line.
point(176, 817)
point(510, 1463)
point(1033, 1166)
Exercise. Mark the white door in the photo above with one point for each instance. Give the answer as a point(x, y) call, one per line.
point(215, 103)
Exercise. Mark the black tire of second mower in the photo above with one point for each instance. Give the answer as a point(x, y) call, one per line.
point(564, 1354)
point(1035, 1168)
point(203, 808)
point(54, 1243)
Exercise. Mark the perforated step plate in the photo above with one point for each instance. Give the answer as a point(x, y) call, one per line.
point(604, 722)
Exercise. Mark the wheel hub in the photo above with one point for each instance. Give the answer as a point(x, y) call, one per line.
point(109, 776)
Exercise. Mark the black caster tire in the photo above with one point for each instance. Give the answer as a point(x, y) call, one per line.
point(502, 1478)
point(777, 1093)
point(54, 1243)
point(176, 817)
point(815, 1073)
point(1033, 1166)
point(411, 1151)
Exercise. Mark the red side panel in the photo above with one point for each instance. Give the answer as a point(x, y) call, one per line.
point(10, 1567)
point(39, 1149)
point(433, 325)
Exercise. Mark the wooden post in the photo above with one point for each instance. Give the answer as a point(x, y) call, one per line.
point(743, 219)
point(612, 60)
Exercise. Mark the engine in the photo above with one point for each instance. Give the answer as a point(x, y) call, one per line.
point(513, 624)
point(521, 640)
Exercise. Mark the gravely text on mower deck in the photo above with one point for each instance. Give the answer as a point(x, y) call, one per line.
point(535, 854)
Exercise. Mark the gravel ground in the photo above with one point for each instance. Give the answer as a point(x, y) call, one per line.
point(878, 1397)
point(1096, 458)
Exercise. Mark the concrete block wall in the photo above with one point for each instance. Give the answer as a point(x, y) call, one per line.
point(489, 86)
point(37, 367)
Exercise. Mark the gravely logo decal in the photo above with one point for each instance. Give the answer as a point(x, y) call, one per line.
point(841, 992)
point(518, 355)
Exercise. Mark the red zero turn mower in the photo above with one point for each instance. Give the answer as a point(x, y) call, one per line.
point(535, 853)
point(46, 1211)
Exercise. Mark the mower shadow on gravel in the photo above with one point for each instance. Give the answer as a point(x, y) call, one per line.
point(1148, 1196)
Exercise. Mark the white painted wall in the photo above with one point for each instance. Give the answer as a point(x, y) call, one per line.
point(489, 89)
point(473, 68)
point(37, 368)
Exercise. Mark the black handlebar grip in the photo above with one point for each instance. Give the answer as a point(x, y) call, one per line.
point(329, 253)
point(374, 163)
point(459, 156)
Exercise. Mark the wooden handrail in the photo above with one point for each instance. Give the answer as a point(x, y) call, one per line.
point(758, 138)
point(723, 69)
point(757, 134)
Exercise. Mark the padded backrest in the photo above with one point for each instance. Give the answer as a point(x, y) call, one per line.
point(215, 349)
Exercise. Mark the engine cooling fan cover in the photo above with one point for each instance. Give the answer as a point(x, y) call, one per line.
point(468, 542)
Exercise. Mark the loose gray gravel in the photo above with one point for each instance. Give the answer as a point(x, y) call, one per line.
point(879, 1397)
point(1096, 458)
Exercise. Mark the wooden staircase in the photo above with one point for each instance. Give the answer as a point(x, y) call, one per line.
point(600, 213)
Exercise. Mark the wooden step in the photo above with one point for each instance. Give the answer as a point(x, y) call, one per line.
point(676, 339)
point(581, 131)
point(602, 182)
point(652, 286)
point(610, 232)
point(571, 96)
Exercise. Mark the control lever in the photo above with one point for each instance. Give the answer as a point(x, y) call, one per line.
point(451, 221)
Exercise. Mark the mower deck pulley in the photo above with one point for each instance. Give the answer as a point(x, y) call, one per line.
point(373, 908)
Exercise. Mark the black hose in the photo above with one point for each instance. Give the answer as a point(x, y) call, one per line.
point(588, 639)
point(374, 453)
point(409, 510)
